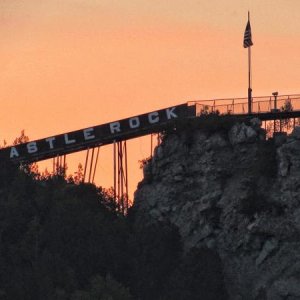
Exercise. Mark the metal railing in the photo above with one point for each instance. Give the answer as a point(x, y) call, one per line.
point(240, 105)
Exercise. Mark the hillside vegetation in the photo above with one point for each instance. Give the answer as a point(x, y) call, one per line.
point(61, 240)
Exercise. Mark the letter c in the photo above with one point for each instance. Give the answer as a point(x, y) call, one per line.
point(153, 117)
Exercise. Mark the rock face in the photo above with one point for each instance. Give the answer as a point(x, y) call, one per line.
point(236, 193)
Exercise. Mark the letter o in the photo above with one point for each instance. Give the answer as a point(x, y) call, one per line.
point(134, 122)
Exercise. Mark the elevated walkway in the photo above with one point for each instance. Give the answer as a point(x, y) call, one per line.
point(264, 108)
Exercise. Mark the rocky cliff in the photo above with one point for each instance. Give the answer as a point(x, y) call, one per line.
point(232, 191)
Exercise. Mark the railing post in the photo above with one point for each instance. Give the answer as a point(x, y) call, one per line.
point(275, 94)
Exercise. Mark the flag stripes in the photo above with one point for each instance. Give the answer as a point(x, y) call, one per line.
point(248, 36)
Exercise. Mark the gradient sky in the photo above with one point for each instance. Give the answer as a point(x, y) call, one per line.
point(70, 64)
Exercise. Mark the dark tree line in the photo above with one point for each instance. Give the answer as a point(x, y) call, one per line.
point(61, 240)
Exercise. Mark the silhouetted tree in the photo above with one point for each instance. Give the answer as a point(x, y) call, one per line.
point(155, 251)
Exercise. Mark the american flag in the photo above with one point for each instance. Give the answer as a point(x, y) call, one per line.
point(248, 36)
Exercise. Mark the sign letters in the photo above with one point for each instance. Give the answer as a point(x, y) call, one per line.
point(94, 136)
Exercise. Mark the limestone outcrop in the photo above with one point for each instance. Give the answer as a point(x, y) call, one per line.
point(234, 192)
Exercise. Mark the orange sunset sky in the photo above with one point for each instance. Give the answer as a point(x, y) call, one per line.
point(71, 64)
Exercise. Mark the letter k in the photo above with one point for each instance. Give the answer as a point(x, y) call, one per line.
point(170, 113)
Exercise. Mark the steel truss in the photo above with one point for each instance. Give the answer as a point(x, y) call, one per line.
point(121, 175)
point(90, 165)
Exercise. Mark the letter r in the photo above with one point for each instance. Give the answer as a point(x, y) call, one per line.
point(114, 127)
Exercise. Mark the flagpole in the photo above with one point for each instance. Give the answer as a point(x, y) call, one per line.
point(249, 77)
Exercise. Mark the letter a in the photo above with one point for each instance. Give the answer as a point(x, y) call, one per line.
point(13, 152)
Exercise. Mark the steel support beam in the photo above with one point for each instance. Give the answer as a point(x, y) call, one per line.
point(121, 176)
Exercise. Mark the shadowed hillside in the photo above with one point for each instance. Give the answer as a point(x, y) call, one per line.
point(61, 240)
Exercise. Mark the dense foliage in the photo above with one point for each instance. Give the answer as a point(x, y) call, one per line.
point(61, 240)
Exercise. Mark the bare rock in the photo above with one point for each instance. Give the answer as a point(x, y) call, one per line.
point(296, 133)
point(241, 133)
point(268, 248)
point(197, 181)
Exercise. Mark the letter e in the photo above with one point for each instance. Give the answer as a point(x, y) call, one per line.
point(87, 133)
